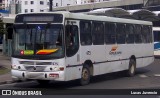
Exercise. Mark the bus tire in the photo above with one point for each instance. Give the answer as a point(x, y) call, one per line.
point(132, 68)
point(43, 82)
point(85, 75)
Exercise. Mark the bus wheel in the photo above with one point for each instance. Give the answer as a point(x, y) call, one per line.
point(132, 68)
point(43, 82)
point(85, 76)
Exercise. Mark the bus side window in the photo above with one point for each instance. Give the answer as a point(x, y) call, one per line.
point(150, 34)
point(110, 33)
point(129, 33)
point(121, 34)
point(138, 34)
point(98, 33)
point(85, 33)
point(147, 34)
point(144, 34)
point(72, 43)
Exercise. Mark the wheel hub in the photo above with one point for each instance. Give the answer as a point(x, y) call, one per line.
point(85, 74)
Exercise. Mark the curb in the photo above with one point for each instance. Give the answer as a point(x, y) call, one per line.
point(12, 81)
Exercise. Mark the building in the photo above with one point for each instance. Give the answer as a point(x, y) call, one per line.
point(26, 6)
point(33, 5)
point(5, 4)
point(60, 3)
point(1, 4)
point(97, 4)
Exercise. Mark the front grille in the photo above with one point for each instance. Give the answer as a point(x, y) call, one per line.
point(43, 63)
point(34, 63)
point(35, 68)
point(27, 62)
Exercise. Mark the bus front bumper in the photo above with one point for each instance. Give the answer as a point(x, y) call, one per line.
point(57, 76)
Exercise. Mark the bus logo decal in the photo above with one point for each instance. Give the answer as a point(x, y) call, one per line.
point(114, 51)
point(46, 51)
point(114, 48)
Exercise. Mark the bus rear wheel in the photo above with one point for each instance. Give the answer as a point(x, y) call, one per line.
point(132, 68)
point(85, 76)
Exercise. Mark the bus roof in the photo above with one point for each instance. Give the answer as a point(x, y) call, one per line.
point(82, 16)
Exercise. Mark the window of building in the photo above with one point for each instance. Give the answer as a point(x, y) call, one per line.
point(98, 33)
point(32, 2)
point(47, 3)
point(92, 0)
point(26, 10)
point(110, 33)
point(85, 33)
point(41, 10)
point(56, 4)
point(32, 10)
point(41, 2)
point(26, 2)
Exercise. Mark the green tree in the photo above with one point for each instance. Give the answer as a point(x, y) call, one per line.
point(2, 29)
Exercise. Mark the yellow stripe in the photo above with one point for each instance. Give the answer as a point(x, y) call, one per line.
point(47, 51)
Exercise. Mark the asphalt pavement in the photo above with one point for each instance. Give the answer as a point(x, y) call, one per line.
point(5, 62)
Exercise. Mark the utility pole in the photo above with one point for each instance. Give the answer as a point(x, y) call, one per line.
point(50, 5)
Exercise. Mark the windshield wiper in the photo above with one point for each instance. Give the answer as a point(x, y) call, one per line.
point(25, 35)
point(45, 35)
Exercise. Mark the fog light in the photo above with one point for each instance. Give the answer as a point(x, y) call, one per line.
point(19, 67)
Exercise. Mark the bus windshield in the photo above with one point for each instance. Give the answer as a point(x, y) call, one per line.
point(38, 40)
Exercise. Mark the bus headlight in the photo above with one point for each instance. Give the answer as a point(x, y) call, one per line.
point(57, 68)
point(15, 67)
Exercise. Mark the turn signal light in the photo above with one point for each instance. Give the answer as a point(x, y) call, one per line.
point(61, 68)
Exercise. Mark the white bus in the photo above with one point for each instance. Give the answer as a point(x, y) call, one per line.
point(156, 33)
point(65, 46)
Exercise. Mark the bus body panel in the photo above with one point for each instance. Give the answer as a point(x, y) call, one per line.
point(73, 64)
point(24, 66)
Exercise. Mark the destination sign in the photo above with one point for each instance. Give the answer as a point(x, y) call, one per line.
point(39, 18)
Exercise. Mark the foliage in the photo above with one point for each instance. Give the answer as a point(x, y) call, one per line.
point(2, 29)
